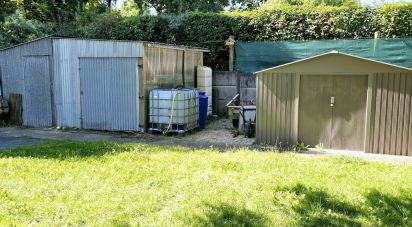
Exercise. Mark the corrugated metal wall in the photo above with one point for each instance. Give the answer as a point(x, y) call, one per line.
point(12, 63)
point(109, 93)
point(192, 59)
point(163, 67)
point(390, 130)
point(277, 108)
point(25, 69)
point(388, 118)
point(37, 100)
point(66, 71)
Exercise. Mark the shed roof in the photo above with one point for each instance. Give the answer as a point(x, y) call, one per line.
point(162, 45)
point(336, 62)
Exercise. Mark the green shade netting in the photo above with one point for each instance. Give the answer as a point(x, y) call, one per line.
point(255, 56)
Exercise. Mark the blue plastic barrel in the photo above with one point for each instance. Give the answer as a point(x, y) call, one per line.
point(203, 101)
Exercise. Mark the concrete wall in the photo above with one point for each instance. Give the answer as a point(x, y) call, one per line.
point(226, 84)
point(247, 86)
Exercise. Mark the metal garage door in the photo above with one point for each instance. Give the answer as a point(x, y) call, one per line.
point(109, 93)
point(340, 125)
point(37, 107)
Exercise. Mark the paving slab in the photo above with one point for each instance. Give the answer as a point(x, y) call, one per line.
point(11, 142)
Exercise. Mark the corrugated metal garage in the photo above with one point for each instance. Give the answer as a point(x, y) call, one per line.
point(93, 84)
point(341, 101)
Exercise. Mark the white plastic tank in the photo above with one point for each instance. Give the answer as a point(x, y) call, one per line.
point(204, 83)
point(173, 110)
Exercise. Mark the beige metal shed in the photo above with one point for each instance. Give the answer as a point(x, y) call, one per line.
point(342, 101)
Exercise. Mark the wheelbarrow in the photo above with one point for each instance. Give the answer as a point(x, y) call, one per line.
point(233, 110)
point(234, 107)
point(248, 124)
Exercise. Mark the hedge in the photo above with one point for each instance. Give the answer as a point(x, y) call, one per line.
point(209, 30)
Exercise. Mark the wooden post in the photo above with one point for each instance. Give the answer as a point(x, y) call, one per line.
point(16, 107)
point(230, 42)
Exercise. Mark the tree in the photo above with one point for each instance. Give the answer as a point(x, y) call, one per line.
point(18, 29)
point(7, 7)
point(55, 11)
point(130, 8)
point(277, 3)
point(183, 6)
point(97, 3)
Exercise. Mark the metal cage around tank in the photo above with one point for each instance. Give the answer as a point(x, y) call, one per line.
point(173, 110)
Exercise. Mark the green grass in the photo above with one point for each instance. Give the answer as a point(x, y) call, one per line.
point(101, 183)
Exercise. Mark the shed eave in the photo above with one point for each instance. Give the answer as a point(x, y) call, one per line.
point(22, 44)
point(173, 46)
point(332, 53)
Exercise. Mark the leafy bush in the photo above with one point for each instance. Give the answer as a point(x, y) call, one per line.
point(18, 29)
point(209, 30)
point(395, 20)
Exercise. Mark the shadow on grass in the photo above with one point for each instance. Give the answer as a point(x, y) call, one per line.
point(391, 210)
point(228, 215)
point(67, 149)
point(315, 207)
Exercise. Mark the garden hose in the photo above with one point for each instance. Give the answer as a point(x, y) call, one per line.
point(171, 113)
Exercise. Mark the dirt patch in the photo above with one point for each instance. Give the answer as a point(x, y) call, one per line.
point(221, 132)
point(218, 133)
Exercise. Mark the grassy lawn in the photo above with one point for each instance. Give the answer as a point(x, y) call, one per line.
point(101, 183)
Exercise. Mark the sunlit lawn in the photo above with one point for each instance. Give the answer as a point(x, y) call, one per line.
point(101, 183)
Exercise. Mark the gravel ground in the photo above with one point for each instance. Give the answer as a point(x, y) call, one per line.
point(218, 134)
point(221, 132)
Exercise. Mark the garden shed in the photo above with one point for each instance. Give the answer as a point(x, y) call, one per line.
point(93, 84)
point(337, 100)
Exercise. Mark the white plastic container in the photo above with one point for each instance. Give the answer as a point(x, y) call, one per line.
point(204, 83)
point(173, 110)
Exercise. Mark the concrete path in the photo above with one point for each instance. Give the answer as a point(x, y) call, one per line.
point(10, 142)
point(218, 134)
point(361, 155)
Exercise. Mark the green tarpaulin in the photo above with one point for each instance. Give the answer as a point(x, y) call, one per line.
point(255, 56)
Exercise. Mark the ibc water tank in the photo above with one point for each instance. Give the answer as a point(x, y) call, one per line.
point(173, 110)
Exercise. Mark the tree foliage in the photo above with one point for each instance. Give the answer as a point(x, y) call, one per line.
point(17, 29)
point(210, 29)
point(185, 6)
point(277, 3)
